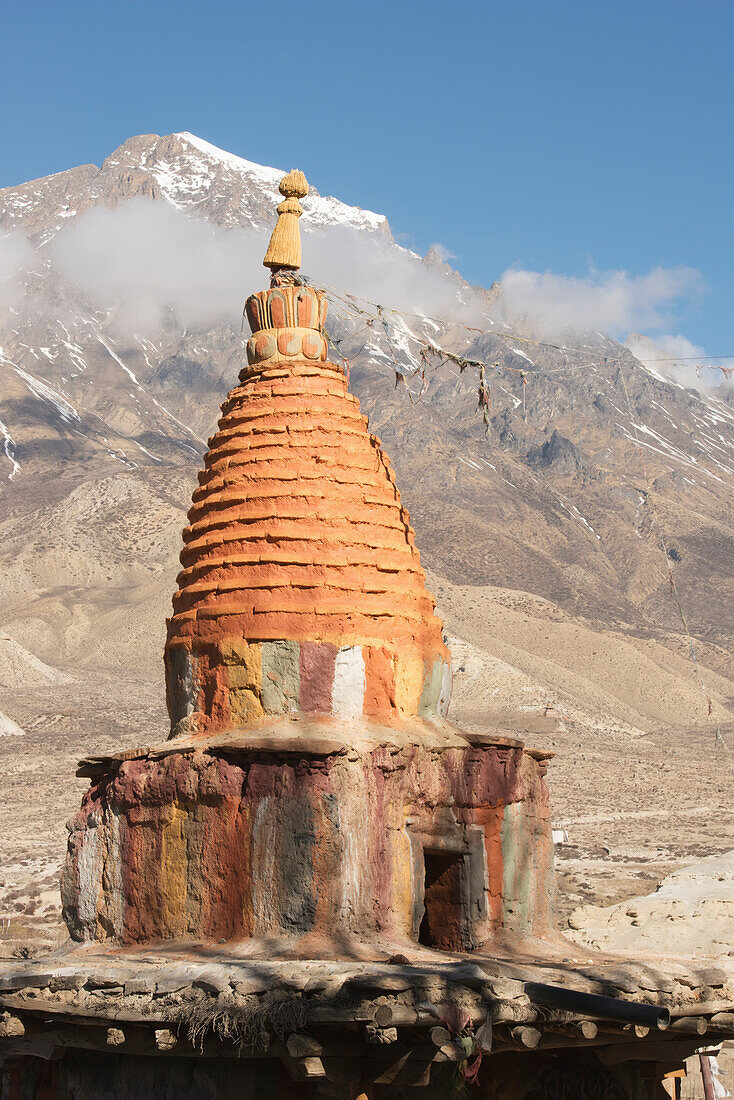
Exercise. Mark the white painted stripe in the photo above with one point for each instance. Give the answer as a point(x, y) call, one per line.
point(347, 694)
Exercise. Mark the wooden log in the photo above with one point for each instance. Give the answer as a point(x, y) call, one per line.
point(723, 1021)
point(623, 1031)
point(703, 1008)
point(93, 1035)
point(304, 1069)
point(83, 1013)
point(307, 1068)
point(383, 1016)
point(580, 1029)
point(507, 1012)
point(165, 1039)
point(440, 1036)
point(327, 1014)
point(380, 1036)
point(689, 1025)
point(526, 1036)
point(399, 1015)
point(312, 1067)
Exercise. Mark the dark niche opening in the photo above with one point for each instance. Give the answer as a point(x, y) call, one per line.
point(441, 926)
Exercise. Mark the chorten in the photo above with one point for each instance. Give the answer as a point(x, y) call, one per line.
point(312, 790)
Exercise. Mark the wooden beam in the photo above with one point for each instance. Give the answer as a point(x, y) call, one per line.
point(657, 1051)
point(399, 1015)
point(703, 1008)
point(707, 1077)
point(380, 1036)
point(440, 1036)
point(165, 1039)
point(508, 1012)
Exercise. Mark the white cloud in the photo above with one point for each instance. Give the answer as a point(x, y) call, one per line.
point(612, 302)
point(674, 358)
point(147, 256)
point(16, 253)
point(144, 258)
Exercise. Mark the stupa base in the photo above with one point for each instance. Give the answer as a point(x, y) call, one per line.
point(417, 833)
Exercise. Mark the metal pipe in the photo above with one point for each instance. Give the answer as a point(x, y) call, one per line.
point(601, 1008)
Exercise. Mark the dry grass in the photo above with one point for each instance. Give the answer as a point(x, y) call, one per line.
point(248, 1025)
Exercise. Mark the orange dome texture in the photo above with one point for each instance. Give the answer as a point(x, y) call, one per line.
point(301, 588)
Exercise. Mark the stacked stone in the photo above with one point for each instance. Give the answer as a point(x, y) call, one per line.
point(302, 588)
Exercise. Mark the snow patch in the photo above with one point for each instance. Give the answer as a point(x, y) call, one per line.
point(9, 450)
point(521, 353)
point(319, 211)
point(44, 392)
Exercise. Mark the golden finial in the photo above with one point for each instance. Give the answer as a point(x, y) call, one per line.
point(284, 249)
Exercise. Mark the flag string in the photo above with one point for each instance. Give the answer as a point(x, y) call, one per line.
point(352, 301)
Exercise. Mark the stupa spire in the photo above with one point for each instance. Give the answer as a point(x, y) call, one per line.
point(284, 250)
point(301, 588)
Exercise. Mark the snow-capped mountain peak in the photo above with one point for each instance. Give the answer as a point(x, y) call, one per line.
point(184, 170)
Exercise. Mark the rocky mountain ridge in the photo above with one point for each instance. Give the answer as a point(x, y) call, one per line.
point(180, 169)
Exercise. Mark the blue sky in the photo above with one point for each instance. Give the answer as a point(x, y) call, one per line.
point(572, 137)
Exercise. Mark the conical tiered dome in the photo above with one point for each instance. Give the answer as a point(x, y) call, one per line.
point(302, 587)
